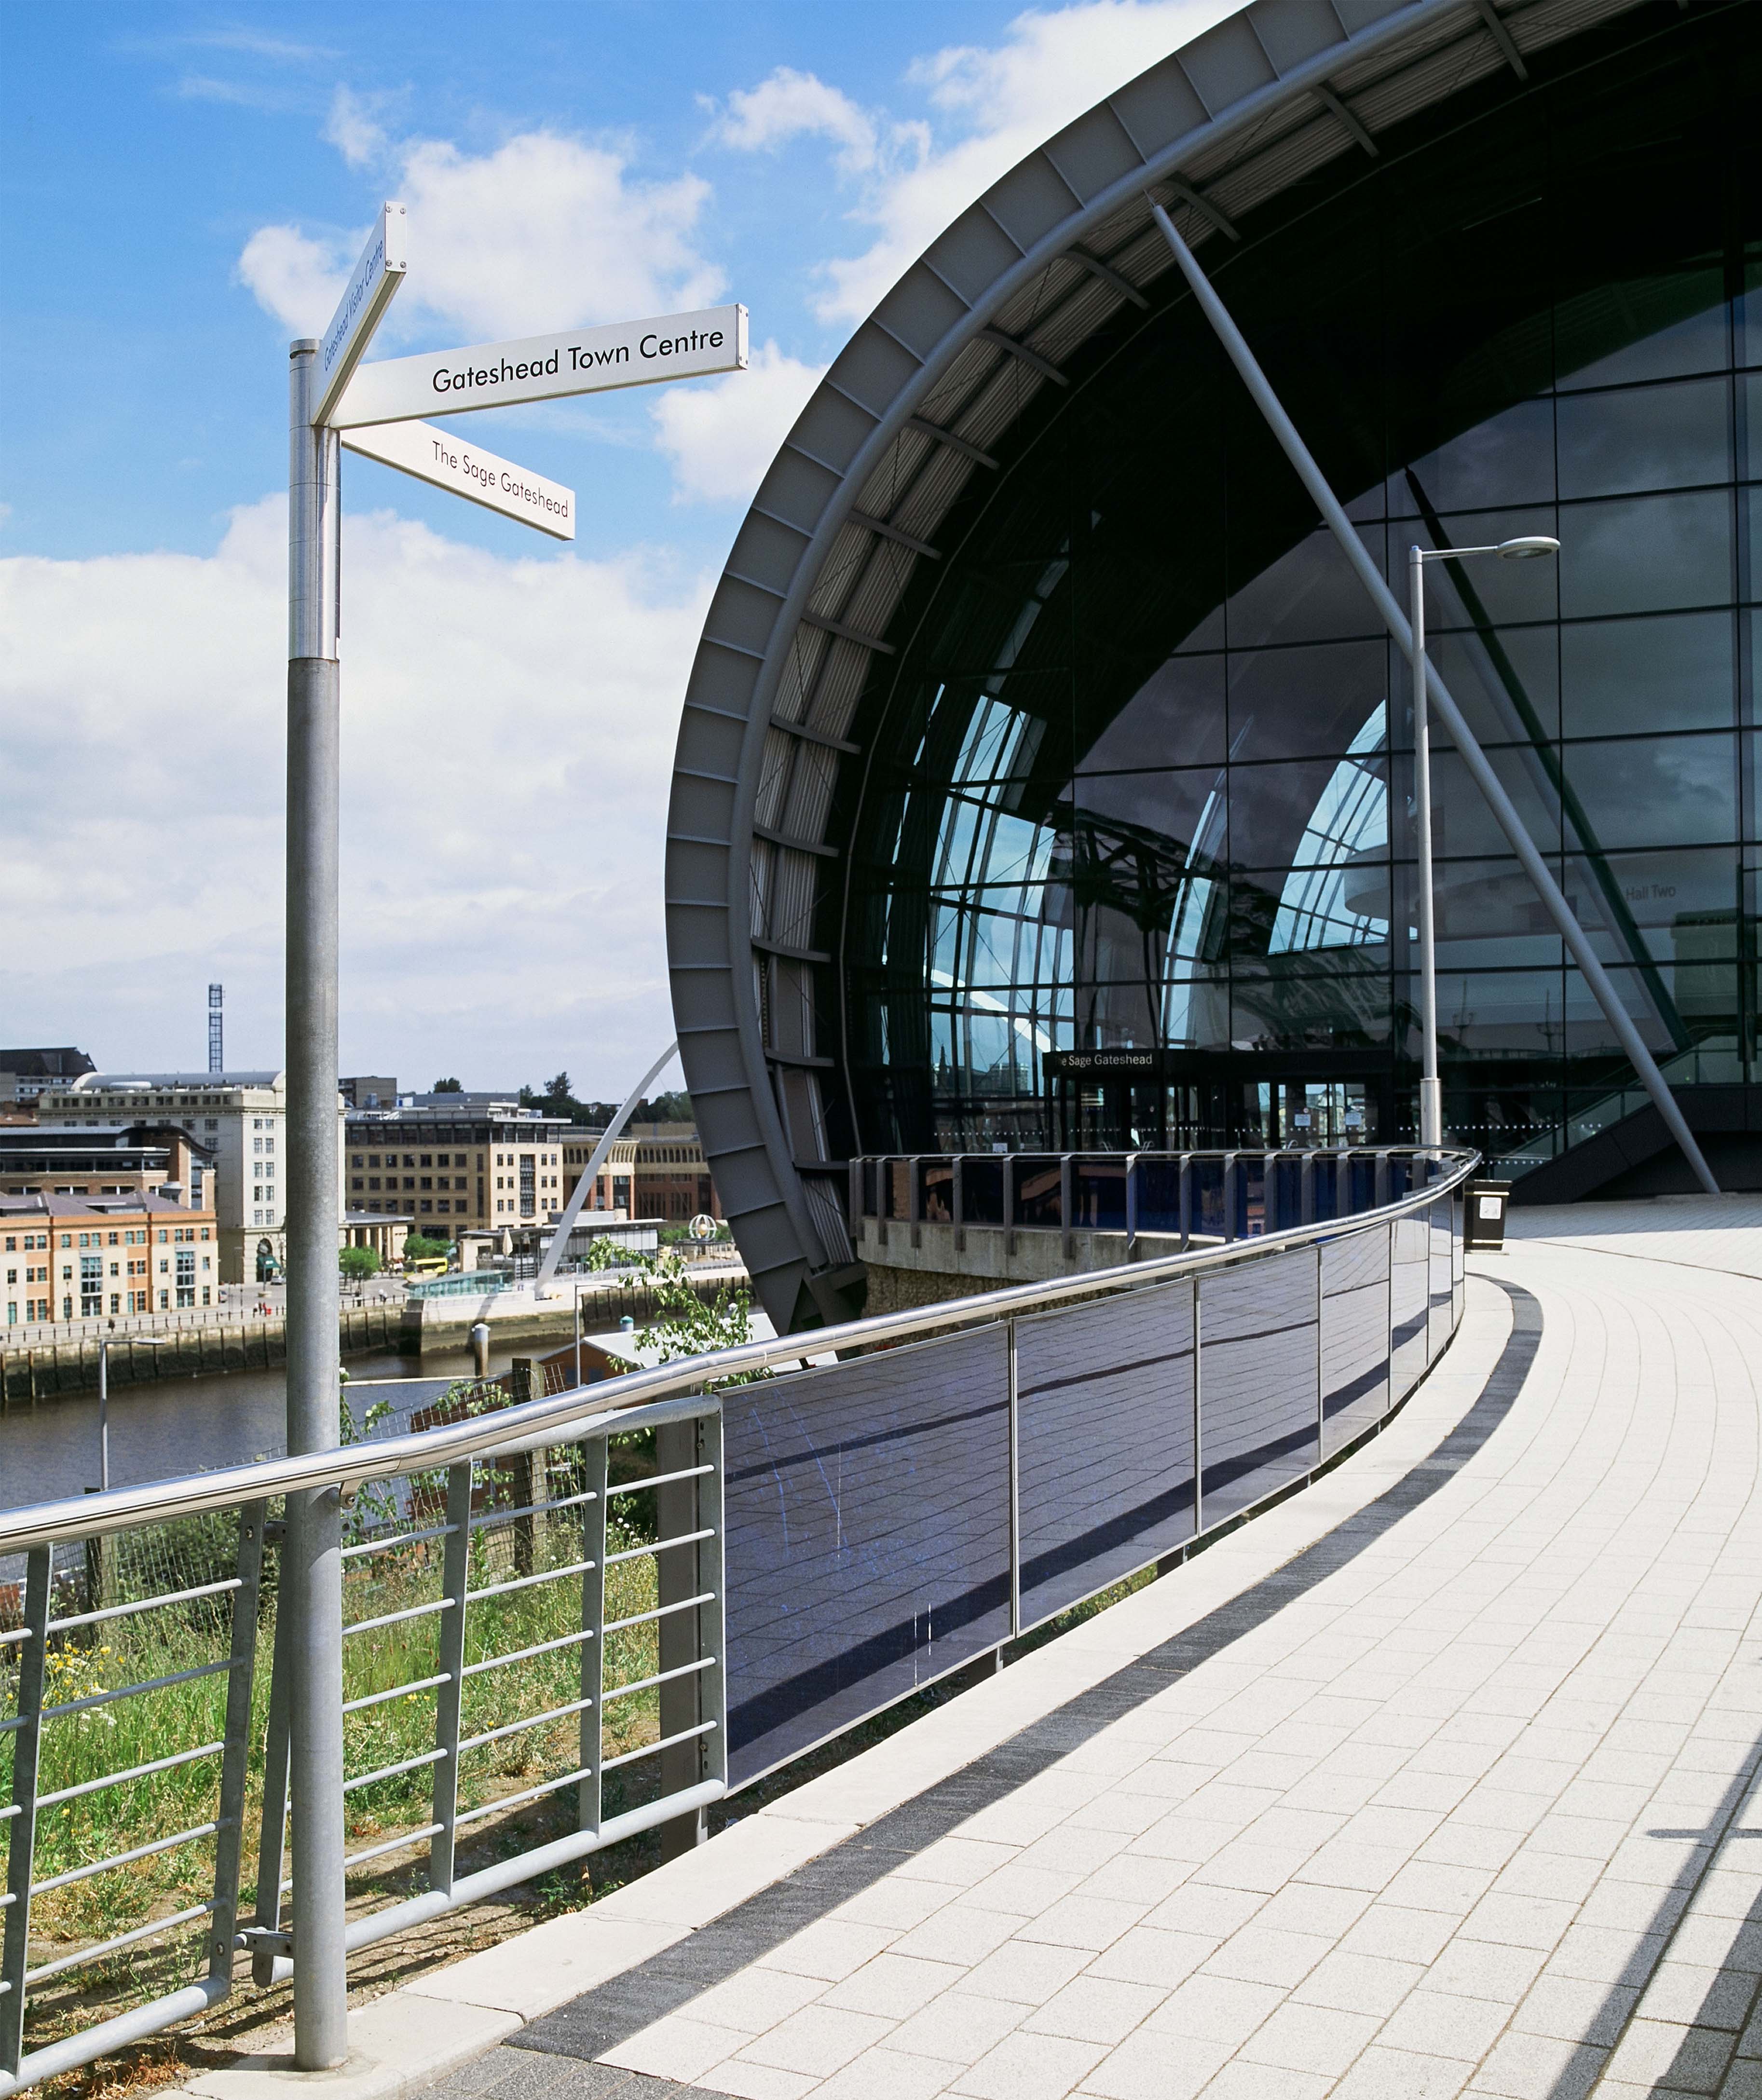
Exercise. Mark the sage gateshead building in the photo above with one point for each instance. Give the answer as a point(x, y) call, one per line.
point(1045, 779)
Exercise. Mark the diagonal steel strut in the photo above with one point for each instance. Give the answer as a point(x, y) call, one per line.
point(1578, 941)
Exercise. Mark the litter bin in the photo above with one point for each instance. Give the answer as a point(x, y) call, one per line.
point(1483, 1218)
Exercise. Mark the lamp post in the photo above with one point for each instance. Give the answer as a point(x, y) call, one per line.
point(146, 1341)
point(1523, 549)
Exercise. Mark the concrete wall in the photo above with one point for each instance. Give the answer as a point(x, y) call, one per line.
point(924, 1264)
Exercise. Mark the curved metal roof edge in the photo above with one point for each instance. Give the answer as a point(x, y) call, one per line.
point(756, 1172)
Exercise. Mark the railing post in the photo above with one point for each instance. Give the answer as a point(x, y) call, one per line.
point(1132, 1206)
point(1013, 1392)
point(957, 1200)
point(1306, 1189)
point(26, 1740)
point(710, 1559)
point(272, 1838)
point(590, 1810)
point(1198, 1419)
point(455, 1582)
point(1186, 1179)
point(1066, 1202)
point(1320, 1378)
point(676, 1451)
point(234, 1761)
point(1380, 1192)
point(1230, 1198)
point(1009, 1203)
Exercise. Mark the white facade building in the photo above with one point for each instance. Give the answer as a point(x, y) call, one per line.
point(240, 1116)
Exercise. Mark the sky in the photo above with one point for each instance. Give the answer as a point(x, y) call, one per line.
point(182, 189)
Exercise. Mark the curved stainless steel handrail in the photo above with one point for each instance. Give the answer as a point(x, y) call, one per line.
point(643, 1398)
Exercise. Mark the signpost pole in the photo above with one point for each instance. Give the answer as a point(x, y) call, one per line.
point(311, 1582)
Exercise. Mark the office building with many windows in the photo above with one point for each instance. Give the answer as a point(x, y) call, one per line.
point(1045, 778)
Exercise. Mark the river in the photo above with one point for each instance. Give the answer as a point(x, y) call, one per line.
point(163, 1427)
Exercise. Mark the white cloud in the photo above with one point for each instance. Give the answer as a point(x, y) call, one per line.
point(722, 434)
point(544, 232)
point(353, 128)
point(997, 103)
point(797, 105)
point(508, 730)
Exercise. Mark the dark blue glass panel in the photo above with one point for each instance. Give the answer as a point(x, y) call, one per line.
point(982, 1191)
point(1284, 1195)
point(1258, 1371)
point(1098, 1193)
point(1036, 1189)
point(1354, 1335)
point(1208, 1178)
point(1105, 1462)
point(1159, 1195)
point(867, 1523)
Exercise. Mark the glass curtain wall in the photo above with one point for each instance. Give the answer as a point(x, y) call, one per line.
point(1142, 774)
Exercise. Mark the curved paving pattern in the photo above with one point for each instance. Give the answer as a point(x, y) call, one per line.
point(1455, 1800)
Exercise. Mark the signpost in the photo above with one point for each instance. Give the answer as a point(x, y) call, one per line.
point(380, 406)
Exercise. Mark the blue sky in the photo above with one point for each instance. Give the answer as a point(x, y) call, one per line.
point(184, 188)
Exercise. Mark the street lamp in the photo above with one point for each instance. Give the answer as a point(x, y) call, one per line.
point(143, 1341)
point(1527, 549)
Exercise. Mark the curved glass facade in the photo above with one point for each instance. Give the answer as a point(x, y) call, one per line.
point(1141, 775)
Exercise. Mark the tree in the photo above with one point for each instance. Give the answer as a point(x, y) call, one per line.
point(446, 1086)
point(688, 1327)
point(417, 1248)
point(557, 1090)
point(358, 1263)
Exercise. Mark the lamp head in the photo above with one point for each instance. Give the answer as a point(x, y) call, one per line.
point(1527, 549)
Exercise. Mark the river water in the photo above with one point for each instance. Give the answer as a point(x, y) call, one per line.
point(164, 1428)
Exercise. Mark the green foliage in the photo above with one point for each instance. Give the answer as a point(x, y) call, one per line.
point(358, 1261)
point(688, 1327)
point(604, 1251)
point(446, 1086)
point(418, 1247)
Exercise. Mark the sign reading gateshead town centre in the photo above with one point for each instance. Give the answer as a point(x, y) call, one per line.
point(376, 278)
point(443, 459)
point(494, 375)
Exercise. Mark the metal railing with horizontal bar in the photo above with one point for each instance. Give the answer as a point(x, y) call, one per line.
point(557, 1633)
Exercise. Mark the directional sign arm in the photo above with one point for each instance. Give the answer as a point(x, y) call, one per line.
point(442, 459)
point(371, 288)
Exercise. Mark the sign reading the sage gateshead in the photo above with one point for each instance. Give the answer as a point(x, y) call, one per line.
point(447, 461)
point(542, 367)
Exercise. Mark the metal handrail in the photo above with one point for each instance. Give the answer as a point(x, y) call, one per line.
point(646, 1398)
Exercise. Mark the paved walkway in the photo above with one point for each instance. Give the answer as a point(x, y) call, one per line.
point(1435, 1780)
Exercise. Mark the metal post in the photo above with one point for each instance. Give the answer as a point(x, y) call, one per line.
point(677, 1449)
point(578, 1334)
point(1014, 1398)
point(1431, 1092)
point(234, 1761)
point(593, 1620)
point(103, 1415)
point(456, 1575)
point(15, 1943)
point(312, 1562)
point(1334, 516)
point(1198, 1441)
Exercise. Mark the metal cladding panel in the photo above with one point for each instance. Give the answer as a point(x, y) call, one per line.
point(1092, 153)
point(715, 1059)
point(797, 487)
point(722, 680)
point(764, 1230)
point(1293, 30)
point(867, 1509)
point(741, 614)
point(766, 550)
point(1355, 1335)
point(919, 311)
point(1031, 200)
point(973, 254)
point(1104, 1443)
point(872, 367)
point(1226, 65)
point(696, 869)
point(1158, 107)
point(697, 933)
point(1259, 1380)
point(701, 809)
point(833, 429)
point(701, 999)
point(710, 742)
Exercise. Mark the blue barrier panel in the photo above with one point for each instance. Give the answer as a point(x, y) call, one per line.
point(1104, 1394)
point(867, 1523)
point(1259, 1380)
point(1355, 1335)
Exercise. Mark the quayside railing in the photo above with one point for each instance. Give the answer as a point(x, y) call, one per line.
point(571, 1620)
